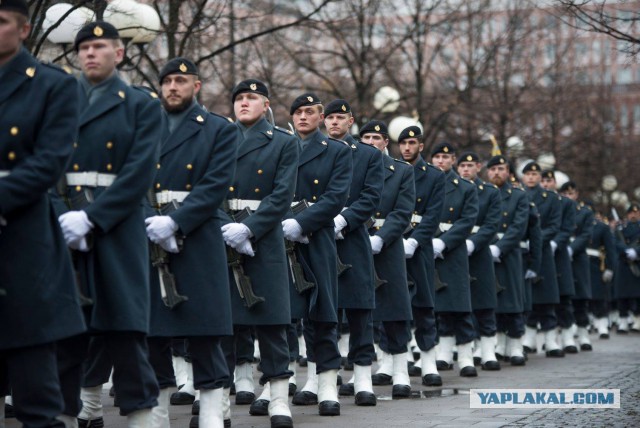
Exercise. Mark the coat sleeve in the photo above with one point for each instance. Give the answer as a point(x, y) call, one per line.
point(361, 209)
point(489, 227)
point(516, 230)
point(554, 221)
point(582, 240)
point(568, 224)
point(461, 228)
point(124, 196)
point(609, 247)
point(211, 190)
point(333, 198)
point(424, 231)
point(58, 128)
point(535, 240)
point(397, 220)
point(275, 206)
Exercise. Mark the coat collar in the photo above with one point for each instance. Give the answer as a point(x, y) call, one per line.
point(192, 124)
point(115, 95)
point(260, 134)
point(389, 166)
point(316, 145)
point(23, 67)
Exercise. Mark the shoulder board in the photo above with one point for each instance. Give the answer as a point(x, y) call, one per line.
point(401, 161)
point(518, 189)
point(468, 181)
point(226, 118)
point(63, 69)
point(146, 90)
point(283, 130)
point(339, 141)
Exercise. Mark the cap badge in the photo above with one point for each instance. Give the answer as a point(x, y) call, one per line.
point(344, 108)
point(501, 160)
point(98, 31)
point(377, 127)
point(469, 158)
point(445, 149)
point(411, 133)
point(310, 99)
point(253, 86)
point(533, 167)
point(183, 67)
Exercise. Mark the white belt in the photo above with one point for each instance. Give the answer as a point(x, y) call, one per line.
point(378, 222)
point(4, 173)
point(294, 203)
point(240, 204)
point(444, 227)
point(90, 179)
point(166, 196)
point(416, 218)
point(592, 252)
point(475, 229)
point(523, 244)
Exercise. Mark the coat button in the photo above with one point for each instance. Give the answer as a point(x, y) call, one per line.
point(14, 130)
point(314, 198)
point(257, 190)
point(504, 225)
point(451, 209)
point(157, 185)
point(189, 166)
point(157, 166)
point(75, 145)
point(109, 167)
point(259, 171)
point(78, 188)
point(449, 222)
point(12, 156)
point(76, 167)
point(188, 187)
point(377, 214)
point(419, 199)
point(231, 189)
point(315, 181)
point(505, 213)
point(109, 145)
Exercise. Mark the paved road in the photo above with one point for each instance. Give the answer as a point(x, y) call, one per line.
point(614, 363)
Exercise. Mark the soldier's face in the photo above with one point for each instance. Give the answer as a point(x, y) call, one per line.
point(498, 174)
point(549, 183)
point(178, 91)
point(376, 140)
point(99, 58)
point(410, 149)
point(633, 215)
point(444, 161)
point(531, 178)
point(14, 29)
point(338, 124)
point(469, 170)
point(249, 107)
point(572, 194)
point(307, 119)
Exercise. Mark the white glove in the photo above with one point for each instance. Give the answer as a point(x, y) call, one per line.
point(529, 274)
point(554, 246)
point(438, 248)
point(339, 223)
point(470, 247)
point(170, 245)
point(495, 253)
point(75, 225)
point(235, 234)
point(410, 246)
point(570, 251)
point(631, 254)
point(607, 275)
point(376, 244)
point(293, 231)
point(245, 248)
point(160, 228)
point(80, 245)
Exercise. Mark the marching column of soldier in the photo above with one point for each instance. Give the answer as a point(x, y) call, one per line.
point(179, 223)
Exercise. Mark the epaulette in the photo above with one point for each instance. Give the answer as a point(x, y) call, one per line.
point(401, 161)
point(227, 118)
point(467, 180)
point(339, 141)
point(62, 68)
point(146, 90)
point(517, 188)
point(283, 130)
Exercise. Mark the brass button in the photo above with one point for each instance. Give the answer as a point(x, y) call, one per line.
point(315, 181)
point(14, 130)
point(188, 187)
point(377, 227)
point(12, 156)
point(109, 145)
point(505, 213)
point(314, 198)
point(158, 166)
point(231, 189)
point(109, 167)
point(504, 225)
point(259, 171)
point(415, 212)
point(257, 190)
point(78, 188)
point(157, 185)
point(377, 214)
point(449, 222)
point(189, 166)
point(76, 167)
point(419, 199)
point(451, 209)
point(75, 145)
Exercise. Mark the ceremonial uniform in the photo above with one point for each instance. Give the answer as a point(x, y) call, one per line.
point(38, 299)
point(531, 257)
point(602, 255)
point(566, 286)
point(580, 265)
point(626, 285)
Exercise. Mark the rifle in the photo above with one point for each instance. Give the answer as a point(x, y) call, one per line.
point(439, 284)
point(635, 270)
point(234, 261)
point(78, 202)
point(377, 280)
point(160, 260)
point(499, 287)
point(297, 274)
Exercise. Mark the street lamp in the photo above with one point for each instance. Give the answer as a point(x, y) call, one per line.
point(138, 24)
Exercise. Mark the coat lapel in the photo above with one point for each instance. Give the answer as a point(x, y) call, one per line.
point(116, 95)
point(315, 147)
point(191, 125)
point(389, 167)
point(259, 135)
point(23, 67)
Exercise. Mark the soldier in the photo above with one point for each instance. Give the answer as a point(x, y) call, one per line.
point(324, 174)
point(38, 300)
point(580, 263)
point(194, 172)
point(393, 302)
point(507, 255)
point(545, 293)
point(110, 171)
point(356, 290)
point(418, 247)
point(483, 279)
point(602, 263)
point(627, 274)
point(562, 257)
point(264, 184)
point(453, 292)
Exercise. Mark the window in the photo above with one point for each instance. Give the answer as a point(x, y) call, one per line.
point(624, 76)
